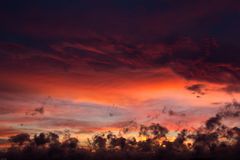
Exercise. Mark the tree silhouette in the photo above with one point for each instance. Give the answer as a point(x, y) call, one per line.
point(211, 141)
point(41, 139)
point(99, 142)
point(71, 143)
point(154, 131)
point(20, 139)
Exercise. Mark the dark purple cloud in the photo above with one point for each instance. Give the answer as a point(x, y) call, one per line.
point(232, 88)
point(197, 40)
point(197, 89)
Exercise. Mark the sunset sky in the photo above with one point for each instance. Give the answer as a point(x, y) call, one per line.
point(91, 66)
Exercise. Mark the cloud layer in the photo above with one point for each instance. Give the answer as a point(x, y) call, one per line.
point(105, 64)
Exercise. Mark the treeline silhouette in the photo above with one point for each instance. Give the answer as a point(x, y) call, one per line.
point(213, 140)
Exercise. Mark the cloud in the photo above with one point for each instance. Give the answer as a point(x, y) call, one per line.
point(3, 141)
point(19, 57)
point(105, 39)
point(112, 52)
point(197, 89)
point(13, 88)
point(143, 17)
point(232, 88)
point(174, 113)
point(230, 110)
point(212, 122)
point(39, 110)
point(8, 131)
point(193, 59)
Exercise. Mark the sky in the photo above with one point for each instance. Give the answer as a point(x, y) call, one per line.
point(90, 66)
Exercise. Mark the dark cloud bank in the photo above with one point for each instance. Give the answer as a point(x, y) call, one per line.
point(190, 38)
